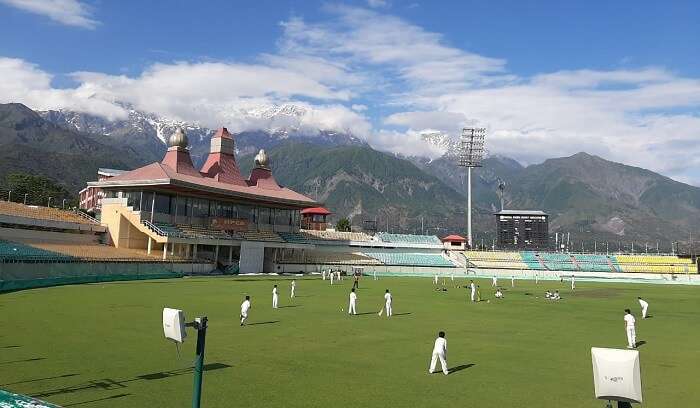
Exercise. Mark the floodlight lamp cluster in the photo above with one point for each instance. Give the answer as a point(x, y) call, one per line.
point(471, 147)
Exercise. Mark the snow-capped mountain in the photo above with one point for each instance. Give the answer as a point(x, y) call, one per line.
point(149, 133)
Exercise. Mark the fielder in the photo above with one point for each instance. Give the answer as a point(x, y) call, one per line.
point(645, 307)
point(573, 282)
point(494, 281)
point(323, 274)
point(439, 352)
point(375, 274)
point(294, 286)
point(536, 279)
point(245, 306)
point(387, 303)
point(435, 279)
point(472, 288)
point(629, 328)
point(275, 297)
point(512, 281)
point(352, 307)
point(330, 275)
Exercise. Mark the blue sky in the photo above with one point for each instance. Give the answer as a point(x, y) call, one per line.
point(618, 79)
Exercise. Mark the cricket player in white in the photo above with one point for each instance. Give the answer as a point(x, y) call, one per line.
point(323, 274)
point(512, 281)
point(387, 303)
point(645, 307)
point(331, 274)
point(352, 307)
point(439, 352)
point(435, 279)
point(275, 297)
point(494, 281)
point(294, 286)
point(245, 306)
point(536, 279)
point(573, 282)
point(472, 287)
point(629, 328)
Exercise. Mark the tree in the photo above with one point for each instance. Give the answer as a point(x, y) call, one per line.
point(37, 188)
point(343, 225)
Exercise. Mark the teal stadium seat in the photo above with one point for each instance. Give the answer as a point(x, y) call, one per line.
point(409, 259)
point(593, 263)
point(531, 260)
point(12, 251)
point(409, 238)
point(557, 261)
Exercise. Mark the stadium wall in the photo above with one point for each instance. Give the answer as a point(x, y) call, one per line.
point(27, 275)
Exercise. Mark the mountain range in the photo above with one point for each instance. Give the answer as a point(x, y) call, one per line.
point(586, 196)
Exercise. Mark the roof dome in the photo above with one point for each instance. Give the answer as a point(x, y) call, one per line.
point(178, 139)
point(261, 159)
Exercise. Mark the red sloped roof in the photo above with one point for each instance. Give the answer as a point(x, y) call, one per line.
point(453, 237)
point(316, 211)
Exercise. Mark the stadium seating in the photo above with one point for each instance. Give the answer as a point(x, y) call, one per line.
point(408, 239)
point(556, 261)
point(533, 262)
point(265, 236)
point(200, 232)
point(496, 260)
point(298, 238)
point(655, 264)
point(102, 252)
point(327, 258)
point(409, 259)
point(14, 251)
point(337, 235)
point(593, 263)
point(42, 213)
point(169, 229)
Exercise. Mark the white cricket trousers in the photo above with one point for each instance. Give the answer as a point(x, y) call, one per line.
point(292, 294)
point(473, 296)
point(244, 317)
point(275, 298)
point(631, 337)
point(644, 311)
point(387, 306)
point(433, 363)
point(351, 308)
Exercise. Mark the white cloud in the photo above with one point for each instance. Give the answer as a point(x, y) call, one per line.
point(377, 3)
point(68, 12)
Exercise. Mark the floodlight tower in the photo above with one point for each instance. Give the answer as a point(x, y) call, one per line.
point(471, 152)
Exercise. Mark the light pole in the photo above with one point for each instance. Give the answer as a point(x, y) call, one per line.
point(25, 198)
point(49, 203)
point(471, 152)
point(63, 204)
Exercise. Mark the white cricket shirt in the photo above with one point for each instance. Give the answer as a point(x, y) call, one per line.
point(629, 319)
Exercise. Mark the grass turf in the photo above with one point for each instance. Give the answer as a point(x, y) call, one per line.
point(101, 345)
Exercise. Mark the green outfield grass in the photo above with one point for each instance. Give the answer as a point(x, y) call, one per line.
point(101, 345)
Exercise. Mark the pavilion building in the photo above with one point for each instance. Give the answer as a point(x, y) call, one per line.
point(173, 207)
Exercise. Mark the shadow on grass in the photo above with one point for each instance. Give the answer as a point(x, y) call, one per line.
point(10, 346)
point(108, 384)
point(97, 400)
point(282, 307)
point(365, 313)
point(401, 314)
point(460, 368)
point(26, 360)
point(640, 343)
point(268, 322)
point(39, 379)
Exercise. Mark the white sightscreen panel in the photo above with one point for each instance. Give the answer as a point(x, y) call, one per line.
point(616, 374)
